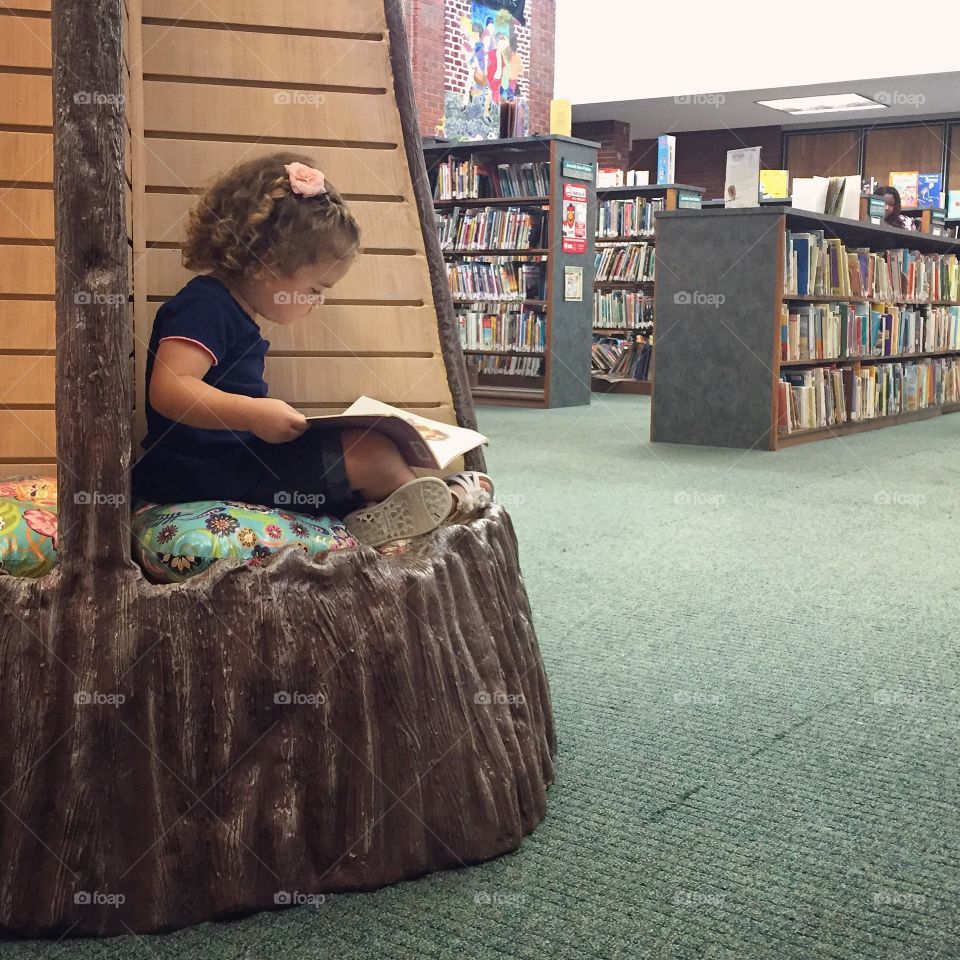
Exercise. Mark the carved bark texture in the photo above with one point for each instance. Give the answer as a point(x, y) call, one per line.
point(172, 754)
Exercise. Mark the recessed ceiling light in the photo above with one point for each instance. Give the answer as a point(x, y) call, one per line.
point(832, 103)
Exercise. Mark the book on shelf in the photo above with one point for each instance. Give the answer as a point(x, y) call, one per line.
point(953, 204)
point(623, 310)
point(929, 190)
point(512, 366)
point(487, 228)
point(422, 442)
point(666, 158)
point(515, 328)
point(773, 184)
point(833, 196)
point(626, 262)
point(835, 395)
point(638, 178)
point(472, 179)
point(609, 177)
point(906, 183)
point(627, 359)
point(508, 280)
point(631, 217)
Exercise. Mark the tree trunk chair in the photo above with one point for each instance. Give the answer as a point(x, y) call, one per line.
point(255, 736)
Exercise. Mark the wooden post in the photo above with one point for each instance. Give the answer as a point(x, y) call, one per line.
point(93, 329)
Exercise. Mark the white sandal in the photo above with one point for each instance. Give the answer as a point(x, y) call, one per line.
point(475, 497)
point(417, 507)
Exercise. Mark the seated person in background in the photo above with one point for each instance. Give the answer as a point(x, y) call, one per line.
point(892, 209)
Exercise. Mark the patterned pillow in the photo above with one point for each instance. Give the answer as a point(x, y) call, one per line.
point(28, 526)
point(175, 542)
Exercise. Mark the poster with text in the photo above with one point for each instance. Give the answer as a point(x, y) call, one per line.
point(574, 211)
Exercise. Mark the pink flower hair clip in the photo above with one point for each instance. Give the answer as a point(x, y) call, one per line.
point(304, 180)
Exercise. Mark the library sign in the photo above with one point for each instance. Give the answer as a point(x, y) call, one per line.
point(574, 218)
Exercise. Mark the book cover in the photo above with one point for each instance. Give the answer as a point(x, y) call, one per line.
point(666, 158)
point(423, 443)
point(773, 184)
point(928, 190)
point(742, 185)
point(953, 205)
point(905, 182)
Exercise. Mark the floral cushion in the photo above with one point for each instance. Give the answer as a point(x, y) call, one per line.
point(174, 542)
point(28, 526)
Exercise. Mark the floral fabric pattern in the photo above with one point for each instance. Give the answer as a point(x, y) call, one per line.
point(28, 526)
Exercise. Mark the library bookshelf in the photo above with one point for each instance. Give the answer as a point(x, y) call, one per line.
point(562, 375)
point(672, 196)
point(719, 301)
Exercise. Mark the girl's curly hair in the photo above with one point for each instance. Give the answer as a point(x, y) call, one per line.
point(250, 221)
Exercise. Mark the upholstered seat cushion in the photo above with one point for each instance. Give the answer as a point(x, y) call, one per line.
point(172, 542)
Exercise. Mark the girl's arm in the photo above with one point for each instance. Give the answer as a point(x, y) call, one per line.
point(177, 392)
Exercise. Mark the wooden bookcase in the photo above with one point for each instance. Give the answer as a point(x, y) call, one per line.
point(718, 364)
point(672, 194)
point(564, 378)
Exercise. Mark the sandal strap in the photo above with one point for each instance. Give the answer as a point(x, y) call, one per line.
point(476, 495)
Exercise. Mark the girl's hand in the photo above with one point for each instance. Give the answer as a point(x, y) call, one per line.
point(275, 421)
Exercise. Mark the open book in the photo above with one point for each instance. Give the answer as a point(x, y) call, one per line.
point(423, 443)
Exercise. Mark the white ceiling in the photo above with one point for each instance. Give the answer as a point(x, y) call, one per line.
point(908, 98)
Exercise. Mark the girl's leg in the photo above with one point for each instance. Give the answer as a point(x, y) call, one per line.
point(374, 465)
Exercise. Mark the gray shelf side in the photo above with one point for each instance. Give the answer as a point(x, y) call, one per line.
point(571, 322)
point(714, 357)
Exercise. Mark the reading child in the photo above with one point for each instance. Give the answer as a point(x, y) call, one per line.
point(270, 239)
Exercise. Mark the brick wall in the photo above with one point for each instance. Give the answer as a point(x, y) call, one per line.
point(435, 40)
point(613, 137)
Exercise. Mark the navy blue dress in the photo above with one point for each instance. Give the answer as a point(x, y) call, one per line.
point(181, 463)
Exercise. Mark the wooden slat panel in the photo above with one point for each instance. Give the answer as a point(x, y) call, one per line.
point(26, 157)
point(27, 325)
point(371, 278)
point(8, 470)
point(27, 100)
point(309, 380)
point(953, 164)
point(25, 42)
point(25, 379)
point(26, 214)
point(28, 4)
point(26, 269)
point(240, 111)
point(393, 226)
point(827, 154)
point(27, 434)
point(338, 329)
point(346, 16)
point(268, 57)
point(193, 164)
point(890, 149)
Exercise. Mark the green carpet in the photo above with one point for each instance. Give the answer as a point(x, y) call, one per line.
point(755, 679)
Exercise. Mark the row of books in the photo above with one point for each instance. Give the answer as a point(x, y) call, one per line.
point(628, 309)
point(634, 261)
point(488, 228)
point(830, 396)
point(511, 366)
point(471, 180)
point(824, 331)
point(815, 265)
point(497, 280)
point(627, 218)
point(515, 329)
point(622, 358)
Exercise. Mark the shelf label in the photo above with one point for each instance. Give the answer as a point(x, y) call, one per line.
point(577, 171)
point(688, 200)
point(574, 210)
point(875, 209)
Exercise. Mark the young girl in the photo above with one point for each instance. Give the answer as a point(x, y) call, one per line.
point(270, 238)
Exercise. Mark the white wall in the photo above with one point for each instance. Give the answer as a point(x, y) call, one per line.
point(636, 49)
